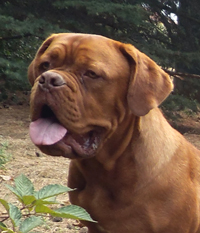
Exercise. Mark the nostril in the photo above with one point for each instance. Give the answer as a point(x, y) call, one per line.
point(51, 79)
point(56, 81)
point(42, 79)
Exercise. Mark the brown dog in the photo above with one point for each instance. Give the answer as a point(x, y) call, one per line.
point(95, 100)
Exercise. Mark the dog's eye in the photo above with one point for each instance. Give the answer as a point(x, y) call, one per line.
point(91, 74)
point(45, 65)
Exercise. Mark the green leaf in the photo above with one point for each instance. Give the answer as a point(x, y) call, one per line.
point(15, 214)
point(27, 200)
point(24, 186)
point(5, 204)
point(3, 226)
point(15, 191)
point(43, 209)
point(73, 212)
point(48, 201)
point(51, 190)
point(35, 231)
point(29, 223)
point(6, 230)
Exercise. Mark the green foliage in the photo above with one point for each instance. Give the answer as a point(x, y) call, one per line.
point(171, 41)
point(4, 155)
point(22, 31)
point(35, 206)
point(180, 103)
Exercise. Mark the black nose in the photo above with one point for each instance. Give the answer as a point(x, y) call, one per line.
point(51, 79)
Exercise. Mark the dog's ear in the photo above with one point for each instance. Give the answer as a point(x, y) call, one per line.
point(149, 84)
point(32, 73)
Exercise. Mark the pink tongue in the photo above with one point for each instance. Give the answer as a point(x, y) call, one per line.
point(46, 131)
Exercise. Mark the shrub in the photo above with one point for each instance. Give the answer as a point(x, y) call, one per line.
point(35, 206)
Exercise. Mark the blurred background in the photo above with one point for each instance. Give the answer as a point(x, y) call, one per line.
point(167, 31)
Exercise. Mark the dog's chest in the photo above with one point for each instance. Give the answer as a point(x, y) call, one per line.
point(109, 198)
point(120, 204)
point(110, 207)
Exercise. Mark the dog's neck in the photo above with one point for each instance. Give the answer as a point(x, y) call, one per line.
point(142, 155)
point(148, 140)
point(145, 149)
point(119, 143)
point(155, 146)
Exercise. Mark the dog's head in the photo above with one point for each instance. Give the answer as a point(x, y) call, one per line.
point(84, 86)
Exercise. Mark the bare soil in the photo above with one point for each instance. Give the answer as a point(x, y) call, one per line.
point(41, 169)
point(25, 158)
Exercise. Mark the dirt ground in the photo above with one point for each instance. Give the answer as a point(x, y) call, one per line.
point(27, 159)
point(43, 170)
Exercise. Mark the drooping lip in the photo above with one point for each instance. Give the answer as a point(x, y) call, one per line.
point(84, 145)
point(49, 134)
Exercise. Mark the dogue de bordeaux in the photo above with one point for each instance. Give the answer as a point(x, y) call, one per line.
point(95, 100)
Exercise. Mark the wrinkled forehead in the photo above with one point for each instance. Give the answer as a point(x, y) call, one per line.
point(83, 42)
point(84, 46)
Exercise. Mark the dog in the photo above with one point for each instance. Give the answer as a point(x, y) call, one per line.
point(95, 100)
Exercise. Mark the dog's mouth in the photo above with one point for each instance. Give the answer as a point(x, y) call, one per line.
point(47, 131)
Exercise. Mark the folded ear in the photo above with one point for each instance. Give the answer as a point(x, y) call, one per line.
point(32, 71)
point(149, 84)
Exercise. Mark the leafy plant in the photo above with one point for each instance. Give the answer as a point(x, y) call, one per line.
point(35, 206)
point(4, 156)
